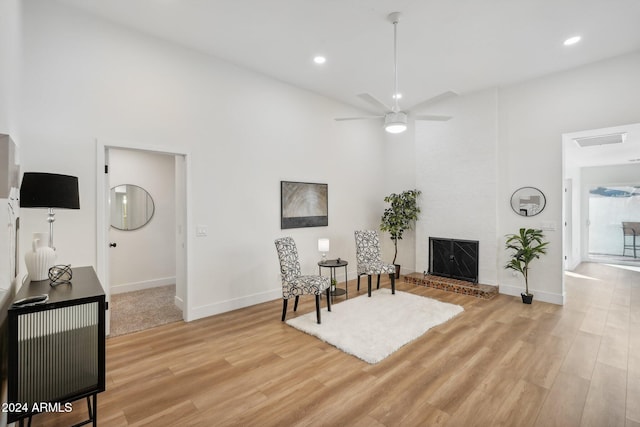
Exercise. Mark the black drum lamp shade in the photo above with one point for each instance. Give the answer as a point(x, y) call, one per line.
point(49, 190)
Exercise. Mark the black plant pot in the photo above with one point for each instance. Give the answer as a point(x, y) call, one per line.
point(526, 298)
point(397, 270)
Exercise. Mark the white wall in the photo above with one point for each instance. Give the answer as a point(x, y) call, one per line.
point(145, 257)
point(533, 116)
point(509, 139)
point(456, 164)
point(398, 169)
point(85, 78)
point(10, 49)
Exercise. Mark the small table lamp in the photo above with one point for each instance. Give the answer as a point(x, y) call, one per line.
point(323, 246)
point(49, 190)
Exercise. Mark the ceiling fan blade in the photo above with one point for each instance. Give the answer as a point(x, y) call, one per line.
point(342, 119)
point(432, 118)
point(374, 101)
point(435, 99)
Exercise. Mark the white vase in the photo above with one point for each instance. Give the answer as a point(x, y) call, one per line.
point(41, 258)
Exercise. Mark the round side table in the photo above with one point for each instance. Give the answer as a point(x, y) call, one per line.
point(332, 264)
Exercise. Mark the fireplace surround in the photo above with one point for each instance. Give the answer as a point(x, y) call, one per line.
point(454, 258)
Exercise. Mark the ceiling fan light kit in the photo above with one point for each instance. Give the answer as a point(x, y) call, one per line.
point(395, 122)
point(395, 119)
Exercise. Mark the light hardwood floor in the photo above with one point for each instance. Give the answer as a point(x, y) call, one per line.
point(500, 363)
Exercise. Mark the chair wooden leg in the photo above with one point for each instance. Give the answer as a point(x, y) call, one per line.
point(358, 282)
point(295, 304)
point(369, 284)
point(318, 308)
point(393, 283)
point(284, 308)
point(378, 286)
point(328, 299)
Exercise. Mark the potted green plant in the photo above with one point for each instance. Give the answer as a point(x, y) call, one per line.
point(399, 217)
point(526, 246)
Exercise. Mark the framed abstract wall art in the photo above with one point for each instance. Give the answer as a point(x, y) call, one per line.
point(303, 204)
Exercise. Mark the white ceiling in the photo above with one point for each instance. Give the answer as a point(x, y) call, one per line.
point(460, 45)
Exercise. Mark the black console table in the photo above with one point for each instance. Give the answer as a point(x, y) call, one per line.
point(57, 348)
point(332, 264)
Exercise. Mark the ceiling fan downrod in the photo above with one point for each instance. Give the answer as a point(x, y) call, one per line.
point(395, 18)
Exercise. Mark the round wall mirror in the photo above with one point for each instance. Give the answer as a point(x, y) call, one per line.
point(528, 201)
point(131, 207)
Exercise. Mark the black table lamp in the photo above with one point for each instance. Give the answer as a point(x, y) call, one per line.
point(49, 190)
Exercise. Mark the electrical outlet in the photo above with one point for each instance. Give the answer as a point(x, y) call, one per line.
point(201, 231)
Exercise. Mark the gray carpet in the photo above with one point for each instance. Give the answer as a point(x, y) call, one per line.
point(139, 310)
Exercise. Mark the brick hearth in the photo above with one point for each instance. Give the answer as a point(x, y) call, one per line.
point(452, 285)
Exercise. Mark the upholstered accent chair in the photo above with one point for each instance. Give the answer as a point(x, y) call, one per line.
point(369, 260)
point(294, 283)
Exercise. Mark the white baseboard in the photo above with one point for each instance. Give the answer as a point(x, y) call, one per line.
point(538, 295)
point(146, 284)
point(573, 265)
point(234, 304)
point(178, 302)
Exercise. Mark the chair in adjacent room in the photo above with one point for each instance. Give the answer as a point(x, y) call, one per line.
point(631, 237)
point(294, 283)
point(369, 260)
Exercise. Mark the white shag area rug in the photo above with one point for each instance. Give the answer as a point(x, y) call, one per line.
point(373, 328)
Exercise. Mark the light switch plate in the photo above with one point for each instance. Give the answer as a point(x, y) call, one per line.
point(548, 225)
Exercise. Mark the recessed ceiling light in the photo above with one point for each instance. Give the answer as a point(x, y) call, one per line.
point(319, 59)
point(572, 40)
point(397, 96)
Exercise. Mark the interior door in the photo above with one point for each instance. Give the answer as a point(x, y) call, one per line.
point(568, 224)
point(107, 229)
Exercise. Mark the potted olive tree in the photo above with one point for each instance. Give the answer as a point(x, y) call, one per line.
point(525, 246)
point(399, 217)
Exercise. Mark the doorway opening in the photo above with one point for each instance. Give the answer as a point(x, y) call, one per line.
point(600, 173)
point(142, 240)
point(142, 248)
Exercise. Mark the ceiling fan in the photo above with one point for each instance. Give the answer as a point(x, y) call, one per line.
point(395, 119)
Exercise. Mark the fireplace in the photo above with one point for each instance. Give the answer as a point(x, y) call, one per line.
point(453, 258)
